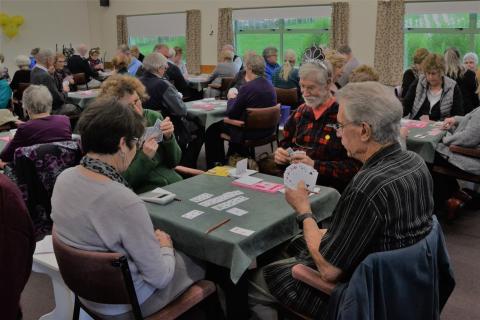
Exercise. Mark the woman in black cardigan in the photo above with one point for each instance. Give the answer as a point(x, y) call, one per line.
point(466, 79)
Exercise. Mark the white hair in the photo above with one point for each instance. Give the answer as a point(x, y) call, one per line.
point(471, 55)
point(37, 99)
point(317, 72)
point(154, 61)
point(43, 55)
point(373, 103)
point(22, 61)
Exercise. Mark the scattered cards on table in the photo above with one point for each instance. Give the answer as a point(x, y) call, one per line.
point(300, 172)
point(237, 211)
point(201, 197)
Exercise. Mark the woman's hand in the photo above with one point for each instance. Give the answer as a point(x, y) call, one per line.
point(448, 123)
point(150, 147)
point(163, 238)
point(167, 128)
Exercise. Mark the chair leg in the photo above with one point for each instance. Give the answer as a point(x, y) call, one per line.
point(76, 309)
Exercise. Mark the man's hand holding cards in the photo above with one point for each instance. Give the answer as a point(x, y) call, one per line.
point(300, 172)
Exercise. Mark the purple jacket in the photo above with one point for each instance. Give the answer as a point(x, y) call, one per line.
point(43, 130)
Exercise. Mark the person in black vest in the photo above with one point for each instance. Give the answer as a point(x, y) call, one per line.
point(164, 97)
point(78, 64)
point(174, 75)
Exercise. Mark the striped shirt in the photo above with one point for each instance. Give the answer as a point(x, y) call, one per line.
point(387, 205)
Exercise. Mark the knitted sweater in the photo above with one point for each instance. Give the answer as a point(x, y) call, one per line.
point(145, 174)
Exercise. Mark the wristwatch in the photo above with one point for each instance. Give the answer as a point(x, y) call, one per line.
point(304, 216)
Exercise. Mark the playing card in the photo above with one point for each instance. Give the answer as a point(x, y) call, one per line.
point(192, 214)
point(237, 211)
point(241, 167)
point(290, 152)
point(300, 172)
point(201, 197)
point(242, 231)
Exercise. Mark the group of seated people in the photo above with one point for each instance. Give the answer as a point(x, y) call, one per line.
point(348, 131)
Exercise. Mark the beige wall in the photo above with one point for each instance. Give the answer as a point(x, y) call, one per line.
point(362, 17)
point(47, 22)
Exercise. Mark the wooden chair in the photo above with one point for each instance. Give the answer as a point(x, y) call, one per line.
point(256, 119)
point(222, 87)
point(104, 277)
point(17, 100)
point(458, 201)
point(288, 97)
point(80, 80)
point(427, 256)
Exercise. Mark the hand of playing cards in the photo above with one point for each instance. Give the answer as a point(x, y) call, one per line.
point(153, 132)
point(300, 172)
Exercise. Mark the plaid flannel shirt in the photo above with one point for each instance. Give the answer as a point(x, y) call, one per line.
point(320, 142)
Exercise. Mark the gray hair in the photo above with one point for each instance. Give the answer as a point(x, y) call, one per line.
point(154, 61)
point(268, 51)
point(471, 55)
point(317, 72)
point(43, 55)
point(256, 64)
point(22, 61)
point(373, 103)
point(37, 99)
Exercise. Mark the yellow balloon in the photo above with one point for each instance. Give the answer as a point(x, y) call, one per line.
point(17, 20)
point(10, 30)
point(4, 19)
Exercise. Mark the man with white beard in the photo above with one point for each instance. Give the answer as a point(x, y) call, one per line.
point(310, 133)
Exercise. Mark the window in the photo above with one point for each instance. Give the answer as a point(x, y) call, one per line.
point(146, 31)
point(296, 28)
point(440, 25)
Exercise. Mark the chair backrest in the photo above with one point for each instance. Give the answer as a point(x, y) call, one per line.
point(95, 276)
point(226, 82)
point(262, 118)
point(418, 276)
point(21, 88)
point(79, 78)
point(287, 97)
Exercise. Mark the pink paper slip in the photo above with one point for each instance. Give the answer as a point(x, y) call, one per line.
point(203, 106)
point(262, 186)
point(6, 139)
point(410, 124)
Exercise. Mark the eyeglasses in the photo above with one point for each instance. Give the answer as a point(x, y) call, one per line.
point(340, 126)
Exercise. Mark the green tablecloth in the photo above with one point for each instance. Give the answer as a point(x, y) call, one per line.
point(82, 98)
point(3, 143)
point(208, 117)
point(269, 215)
point(198, 82)
point(424, 141)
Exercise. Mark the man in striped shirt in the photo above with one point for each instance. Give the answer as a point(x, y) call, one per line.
point(387, 205)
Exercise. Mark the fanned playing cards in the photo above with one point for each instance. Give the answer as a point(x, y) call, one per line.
point(300, 172)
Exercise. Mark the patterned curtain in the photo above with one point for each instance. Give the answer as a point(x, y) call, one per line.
point(122, 30)
point(225, 29)
point(340, 20)
point(389, 41)
point(194, 39)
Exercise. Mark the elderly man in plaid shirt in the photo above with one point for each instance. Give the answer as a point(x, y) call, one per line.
point(310, 132)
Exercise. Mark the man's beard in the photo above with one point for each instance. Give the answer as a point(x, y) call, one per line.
point(314, 102)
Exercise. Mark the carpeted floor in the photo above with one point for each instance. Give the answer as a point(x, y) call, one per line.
point(463, 242)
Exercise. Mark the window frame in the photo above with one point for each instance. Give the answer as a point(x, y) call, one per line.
point(281, 30)
point(471, 31)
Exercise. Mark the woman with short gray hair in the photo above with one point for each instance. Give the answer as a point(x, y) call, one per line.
point(470, 60)
point(22, 75)
point(309, 133)
point(42, 127)
point(257, 92)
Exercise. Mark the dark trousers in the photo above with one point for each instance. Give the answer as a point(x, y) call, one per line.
point(191, 151)
point(443, 186)
point(214, 145)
